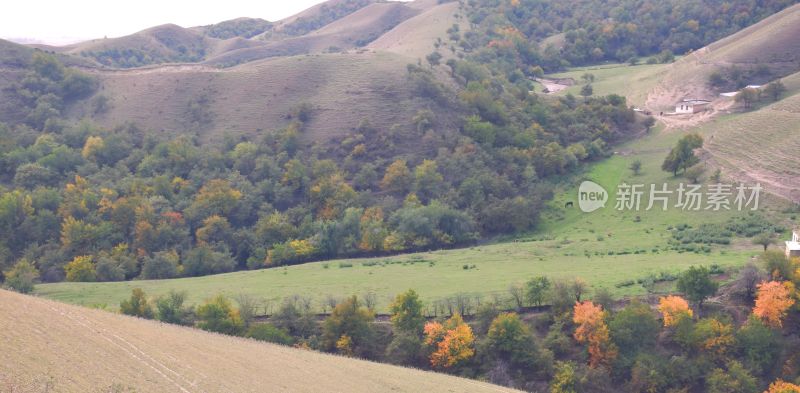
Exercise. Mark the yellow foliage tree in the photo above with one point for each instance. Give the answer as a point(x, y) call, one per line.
point(714, 336)
point(397, 178)
point(81, 269)
point(773, 300)
point(302, 248)
point(452, 342)
point(91, 147)
point(673, 308)
point(373, 231)
point(345, 345)
point(592, 329)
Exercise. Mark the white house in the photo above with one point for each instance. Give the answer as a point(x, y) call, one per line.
point(793, 246)
point(692, 106)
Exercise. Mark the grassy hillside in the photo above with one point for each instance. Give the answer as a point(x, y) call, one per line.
point(248, 99)
point(633, 82)
point(415, 37)
point(160, 44)
point(49, 346)
point(348, 32)
point(757, 145)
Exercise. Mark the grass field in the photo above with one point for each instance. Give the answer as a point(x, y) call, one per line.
point(577, 245)
point(634, 82)
point(54, 347)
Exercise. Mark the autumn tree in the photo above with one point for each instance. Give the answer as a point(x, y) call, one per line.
point(137, 305)
point(350, 323)
point(451, 343)
point(592, 329)
point(218, 314)
point(373, 229)
point(565, 379)
point(773, 300)
point(672, 309)
point(781, 386)
point(713, 335)
point(217, 196)
point(397, 178)
point(81, 269)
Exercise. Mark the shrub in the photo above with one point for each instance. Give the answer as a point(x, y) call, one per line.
point(137, 305)
point(269, 333)
point(22, 276)
point(170, 309)
point(218, 315)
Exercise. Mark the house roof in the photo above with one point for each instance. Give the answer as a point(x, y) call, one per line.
point(693, 102)
point(793, 246)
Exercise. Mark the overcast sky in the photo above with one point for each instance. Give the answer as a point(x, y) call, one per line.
point(66, 21)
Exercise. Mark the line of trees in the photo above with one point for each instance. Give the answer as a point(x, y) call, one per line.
point(682, 343)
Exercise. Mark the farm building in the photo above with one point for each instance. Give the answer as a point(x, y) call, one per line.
point(793, 246)
point(691, 106)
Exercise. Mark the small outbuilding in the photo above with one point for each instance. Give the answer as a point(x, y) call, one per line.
point(691, 105)
point(793, 246)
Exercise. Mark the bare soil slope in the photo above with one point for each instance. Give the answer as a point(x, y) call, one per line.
point(49, 346)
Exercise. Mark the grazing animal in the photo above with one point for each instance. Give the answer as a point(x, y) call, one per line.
point(569, 204)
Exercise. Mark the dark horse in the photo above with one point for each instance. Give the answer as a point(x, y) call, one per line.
point(569, 204)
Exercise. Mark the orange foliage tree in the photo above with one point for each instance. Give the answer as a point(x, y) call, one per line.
point(673, 308)
point(452, 342)
point(773, 300)
point(780, 386)
point(592, 329)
